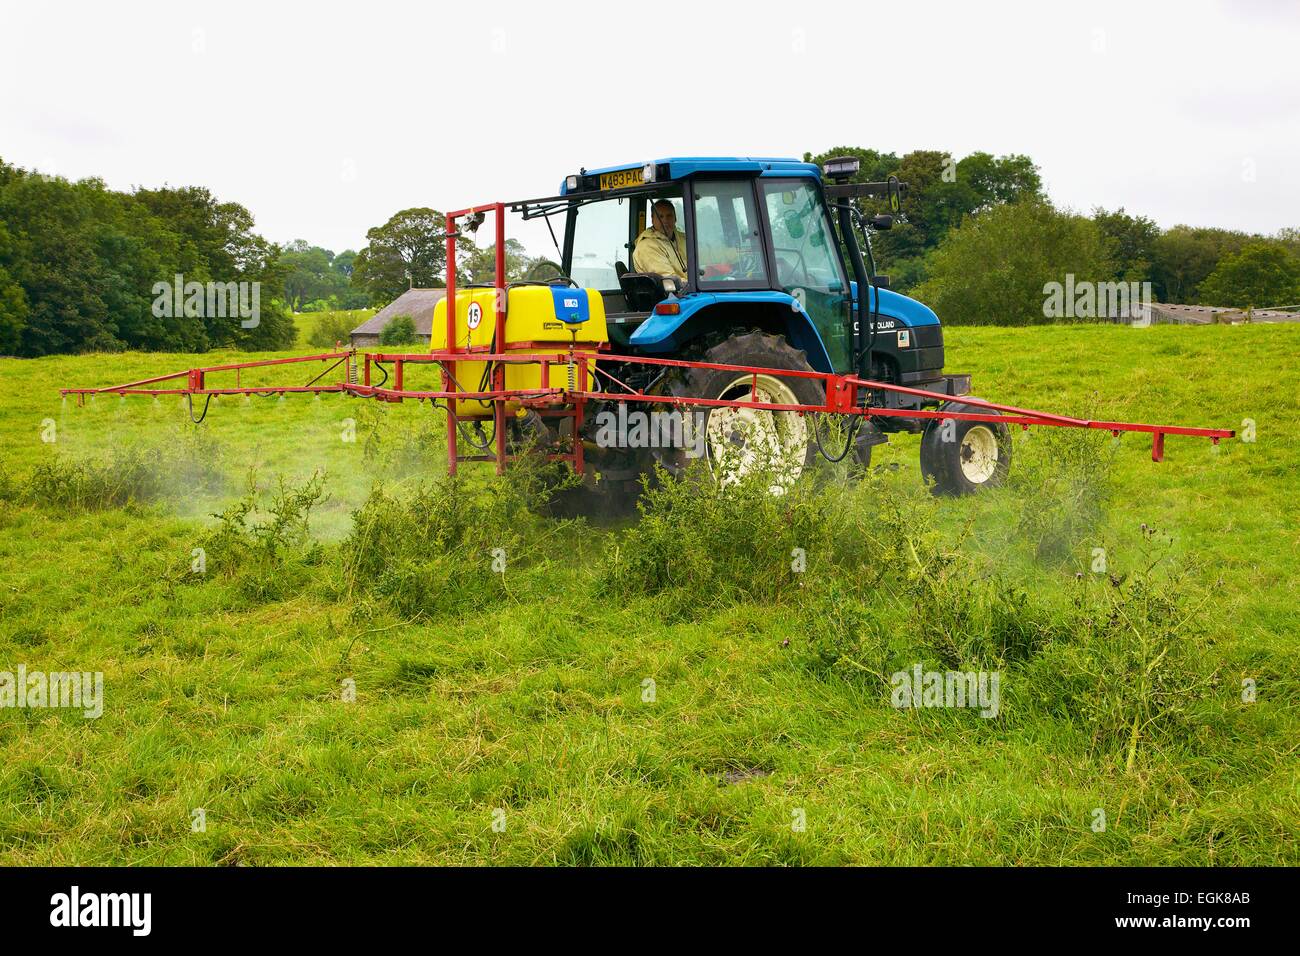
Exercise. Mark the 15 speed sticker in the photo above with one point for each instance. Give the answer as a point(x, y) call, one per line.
point(475, 315)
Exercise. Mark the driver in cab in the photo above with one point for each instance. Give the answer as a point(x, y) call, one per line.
point(661, 249)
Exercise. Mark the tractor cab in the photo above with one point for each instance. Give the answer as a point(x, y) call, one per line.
point(754, 245)
point(746, 226)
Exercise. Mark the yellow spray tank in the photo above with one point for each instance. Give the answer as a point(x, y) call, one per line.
point(533, 325)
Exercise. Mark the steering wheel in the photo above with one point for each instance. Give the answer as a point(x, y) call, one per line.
point(557, 280)
point(803, 265)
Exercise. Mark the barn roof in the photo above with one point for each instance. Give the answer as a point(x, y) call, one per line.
point(417, 303)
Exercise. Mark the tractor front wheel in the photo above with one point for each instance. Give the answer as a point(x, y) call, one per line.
point(961, 457)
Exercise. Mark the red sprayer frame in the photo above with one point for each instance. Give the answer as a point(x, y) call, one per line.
point(842, 391)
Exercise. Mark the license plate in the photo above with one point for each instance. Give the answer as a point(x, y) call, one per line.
point(621, 179)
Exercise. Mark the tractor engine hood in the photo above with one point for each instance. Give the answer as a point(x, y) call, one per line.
point(901, 308)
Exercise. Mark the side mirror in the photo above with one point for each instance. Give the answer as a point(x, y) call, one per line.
point(882, 222)
point(881, 282)
point(896, 193)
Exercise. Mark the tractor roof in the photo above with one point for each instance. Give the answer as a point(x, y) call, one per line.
point(678, 167)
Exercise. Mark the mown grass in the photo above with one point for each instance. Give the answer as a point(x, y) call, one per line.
point(527, 691)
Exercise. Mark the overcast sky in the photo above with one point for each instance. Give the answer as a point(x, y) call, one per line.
point(324, 119)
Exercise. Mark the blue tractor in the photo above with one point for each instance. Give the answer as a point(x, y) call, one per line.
point(770, 266)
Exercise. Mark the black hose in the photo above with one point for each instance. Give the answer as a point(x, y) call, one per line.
point(854, 427)
point(189, 397)
point(487, 442)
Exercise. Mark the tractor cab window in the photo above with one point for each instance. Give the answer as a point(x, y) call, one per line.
point(802, 239)
point(727, 244)
point(600, 242)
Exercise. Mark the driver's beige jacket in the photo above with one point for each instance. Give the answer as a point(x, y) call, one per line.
point(653, 253)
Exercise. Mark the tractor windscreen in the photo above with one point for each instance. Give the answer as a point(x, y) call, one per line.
point(599, 243)
point(604, 236)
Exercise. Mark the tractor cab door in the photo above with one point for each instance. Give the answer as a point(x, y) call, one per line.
point(807, 261)
point(600, 248)
point(727, 235)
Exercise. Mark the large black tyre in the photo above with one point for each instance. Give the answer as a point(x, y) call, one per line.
point(962, 457)
point(739, 440)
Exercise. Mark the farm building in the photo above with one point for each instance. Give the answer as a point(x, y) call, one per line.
point(1163, 312)
point(417, 303)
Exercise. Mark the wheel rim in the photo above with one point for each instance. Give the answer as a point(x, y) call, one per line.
point(742, 441)
point(979, 454)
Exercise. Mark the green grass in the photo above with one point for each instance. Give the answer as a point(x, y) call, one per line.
point(524, 693)
point(306, 322)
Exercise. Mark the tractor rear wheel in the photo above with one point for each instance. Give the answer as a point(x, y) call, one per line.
point(738, 442)
point(961, 457)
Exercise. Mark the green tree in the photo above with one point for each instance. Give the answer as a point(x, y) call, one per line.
point(993, 269)
point(932, 206)
point(1185, 255)
point(13, 300)
point(343, 262)
point(1000, 179)
point(481, 264)
point(13, 313)
point(941, 193)
point(334, 328)
point(87, 259)
point(408, 251)
point(1262, 274)
point(874, 166)
point(310, 274)
point(52, 256)
point(399, 331)
point(1133, 241)
point(218, 244)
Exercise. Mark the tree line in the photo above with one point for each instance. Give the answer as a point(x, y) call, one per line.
point(81, 264)
point(87, 268)
point(981, 240)
point(81, 269)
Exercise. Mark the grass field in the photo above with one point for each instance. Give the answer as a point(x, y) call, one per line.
point(307, 322)
point(506, 718)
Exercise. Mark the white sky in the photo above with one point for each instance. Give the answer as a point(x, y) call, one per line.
point(324, 119)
